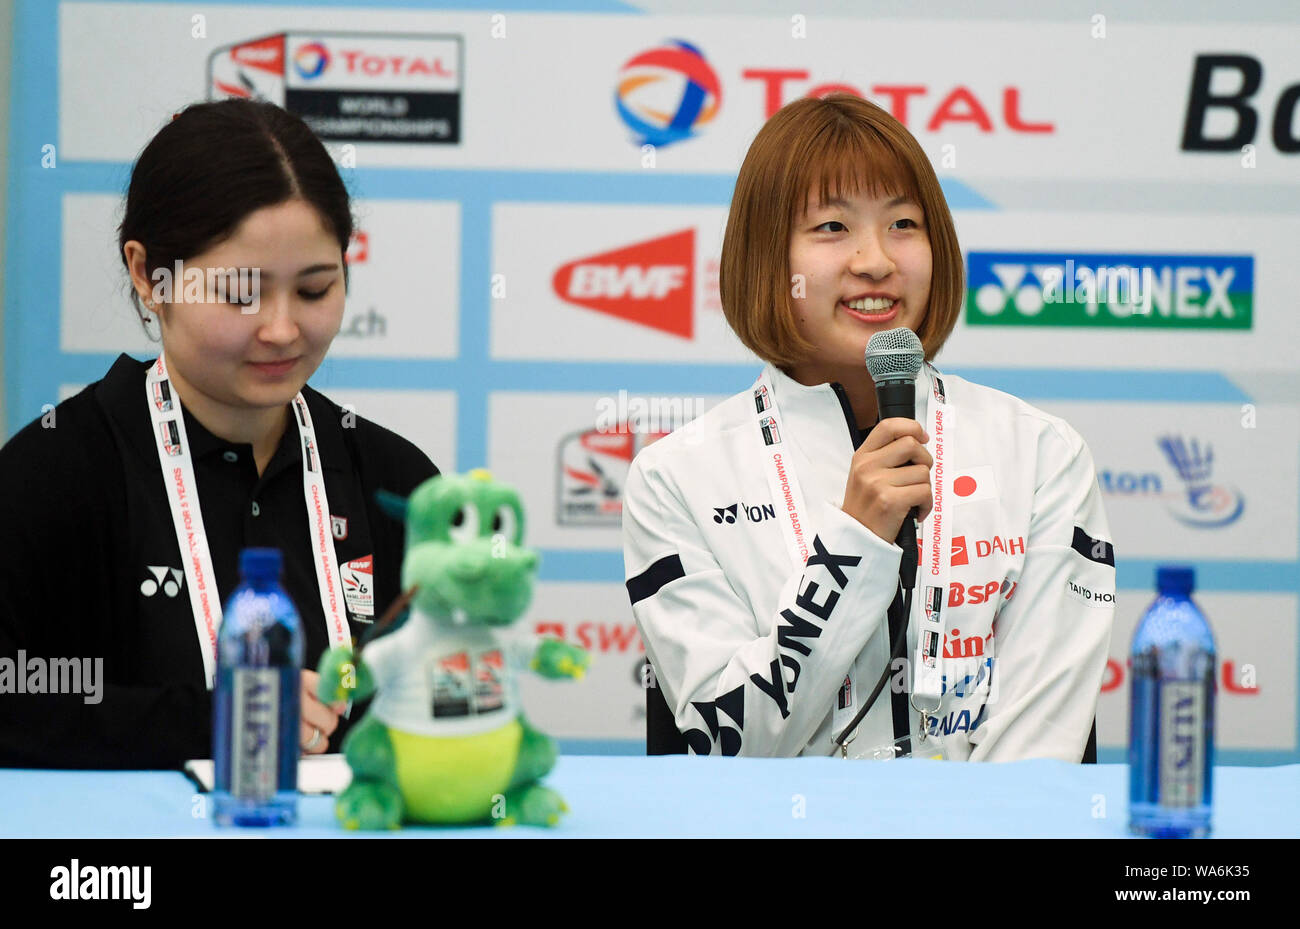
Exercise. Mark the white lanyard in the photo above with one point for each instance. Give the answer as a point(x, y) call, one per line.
point(934, 558)
point(773, 436)
point(779, 469)
point(935, 534)
point(187, 517)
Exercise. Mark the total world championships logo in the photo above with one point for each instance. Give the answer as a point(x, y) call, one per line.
point(311, 60)
point(665, 94)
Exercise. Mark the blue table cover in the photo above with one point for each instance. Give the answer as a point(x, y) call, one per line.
point(685, 796)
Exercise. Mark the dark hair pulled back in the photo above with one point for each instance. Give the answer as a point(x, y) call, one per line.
point(214, 164)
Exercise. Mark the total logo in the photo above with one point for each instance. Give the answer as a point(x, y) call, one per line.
point(961, 552)
point(256, 68)
point(350, 87)
point(651, 283)
point(755, 514)
point(666, 93)
point(1202, 503)
point(958, 105)
point(1136, 291)
point(312, 59)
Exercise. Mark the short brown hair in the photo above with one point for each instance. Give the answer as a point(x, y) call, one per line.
point(840, 144)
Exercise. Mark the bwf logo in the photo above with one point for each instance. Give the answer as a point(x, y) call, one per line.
point(169, 585)
point(651, 283)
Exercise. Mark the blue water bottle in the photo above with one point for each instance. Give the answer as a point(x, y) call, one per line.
point(1171, 719)
point(255, 709)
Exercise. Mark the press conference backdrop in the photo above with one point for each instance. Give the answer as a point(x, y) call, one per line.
point(541, 198)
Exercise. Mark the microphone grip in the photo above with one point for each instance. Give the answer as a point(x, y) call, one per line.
point(896, 398)
point(907, 542)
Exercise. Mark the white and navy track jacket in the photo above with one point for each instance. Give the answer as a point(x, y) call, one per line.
point(751, 655)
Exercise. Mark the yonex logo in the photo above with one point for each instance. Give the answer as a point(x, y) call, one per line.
point(1132, 290)
point(171, 586)
point(754, 514)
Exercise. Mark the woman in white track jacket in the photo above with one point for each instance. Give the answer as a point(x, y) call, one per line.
point(760, 539)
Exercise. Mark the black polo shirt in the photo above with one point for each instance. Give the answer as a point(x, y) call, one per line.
point(89, 550)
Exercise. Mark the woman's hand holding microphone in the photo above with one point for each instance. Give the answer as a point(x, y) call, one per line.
point(889, 474)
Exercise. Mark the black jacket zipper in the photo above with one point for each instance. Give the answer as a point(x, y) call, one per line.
point(897, 619)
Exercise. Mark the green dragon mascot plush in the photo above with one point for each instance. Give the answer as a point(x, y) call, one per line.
point(444, 740)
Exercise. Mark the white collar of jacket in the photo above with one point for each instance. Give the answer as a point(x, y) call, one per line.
point(823, 414)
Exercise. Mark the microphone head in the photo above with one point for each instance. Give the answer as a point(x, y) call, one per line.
point(895, 355)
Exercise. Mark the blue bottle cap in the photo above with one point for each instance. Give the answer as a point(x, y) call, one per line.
point(1176, 579)
point(260, 563)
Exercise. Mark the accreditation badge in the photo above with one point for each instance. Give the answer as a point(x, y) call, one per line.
point(359, 588)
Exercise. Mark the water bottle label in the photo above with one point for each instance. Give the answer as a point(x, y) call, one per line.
point(1182, 743)
point(255, 739)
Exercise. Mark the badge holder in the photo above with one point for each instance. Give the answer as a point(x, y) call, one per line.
point(933, 750)
point(924, 746)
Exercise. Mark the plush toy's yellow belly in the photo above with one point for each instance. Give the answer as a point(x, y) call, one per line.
point(454, 780)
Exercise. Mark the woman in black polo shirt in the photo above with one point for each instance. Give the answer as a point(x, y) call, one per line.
point(234, 237)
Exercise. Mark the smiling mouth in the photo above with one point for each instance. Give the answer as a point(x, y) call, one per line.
point(871, 306)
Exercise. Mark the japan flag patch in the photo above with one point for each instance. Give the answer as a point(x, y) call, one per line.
point(975, 483)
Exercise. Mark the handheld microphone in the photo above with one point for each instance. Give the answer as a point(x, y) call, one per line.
point(894, 358)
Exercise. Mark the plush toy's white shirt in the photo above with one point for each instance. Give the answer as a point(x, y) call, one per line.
point(443, 682)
